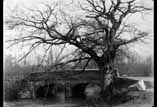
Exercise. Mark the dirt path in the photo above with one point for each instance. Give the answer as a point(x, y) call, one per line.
point(143, 78)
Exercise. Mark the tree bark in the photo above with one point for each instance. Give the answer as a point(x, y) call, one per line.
point(102, 75)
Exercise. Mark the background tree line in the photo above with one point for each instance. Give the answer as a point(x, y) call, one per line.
point(132, 67)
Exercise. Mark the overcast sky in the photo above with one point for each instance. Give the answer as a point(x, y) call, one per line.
point(145, 23)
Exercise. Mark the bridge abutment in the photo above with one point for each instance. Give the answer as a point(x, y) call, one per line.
point(33, 90)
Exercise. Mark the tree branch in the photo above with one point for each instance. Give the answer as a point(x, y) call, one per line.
point(142, 35)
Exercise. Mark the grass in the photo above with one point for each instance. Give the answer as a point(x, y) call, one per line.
point(139, 99)
point(143, 99)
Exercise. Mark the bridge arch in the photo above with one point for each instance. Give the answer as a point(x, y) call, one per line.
point(78, 90)
point(49, 90)
point(44, 91)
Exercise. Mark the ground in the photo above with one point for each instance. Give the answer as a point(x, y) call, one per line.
point(142, 99)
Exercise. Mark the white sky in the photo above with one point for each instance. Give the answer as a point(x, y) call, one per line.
point(146, 23)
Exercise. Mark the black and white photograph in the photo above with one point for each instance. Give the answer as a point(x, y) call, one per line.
point(78, 53)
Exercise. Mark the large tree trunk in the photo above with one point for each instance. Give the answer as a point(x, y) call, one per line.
point(102, 64)
point(102, 75)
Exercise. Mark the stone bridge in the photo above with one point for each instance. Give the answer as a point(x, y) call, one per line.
point(71, 82)
point(68, 80)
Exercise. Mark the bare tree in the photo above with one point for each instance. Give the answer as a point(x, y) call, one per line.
point(98, 36)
